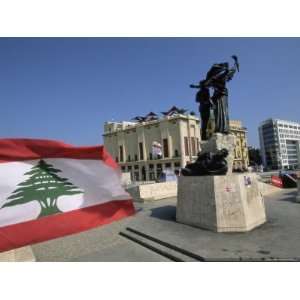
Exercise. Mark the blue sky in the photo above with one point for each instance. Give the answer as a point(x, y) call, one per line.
point(66, 88)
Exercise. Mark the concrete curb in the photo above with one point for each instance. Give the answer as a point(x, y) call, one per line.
point(24, 254)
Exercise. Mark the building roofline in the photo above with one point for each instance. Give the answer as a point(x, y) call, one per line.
point(278, 121)
point(133, 125)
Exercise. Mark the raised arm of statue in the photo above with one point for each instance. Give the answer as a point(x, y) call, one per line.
point(230, 74)
point(232, 71)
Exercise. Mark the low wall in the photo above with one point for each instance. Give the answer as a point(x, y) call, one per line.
point(18, 255)
point(157, 191)
point(154, 191)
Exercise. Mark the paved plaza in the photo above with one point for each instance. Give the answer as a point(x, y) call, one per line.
point(159, 234)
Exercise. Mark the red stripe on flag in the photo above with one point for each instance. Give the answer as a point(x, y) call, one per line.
point(27, 149)
point(54, 226)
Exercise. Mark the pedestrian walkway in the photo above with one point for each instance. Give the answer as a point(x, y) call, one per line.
point(154, 235)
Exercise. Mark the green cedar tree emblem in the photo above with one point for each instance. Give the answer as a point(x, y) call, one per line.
point(44, 186)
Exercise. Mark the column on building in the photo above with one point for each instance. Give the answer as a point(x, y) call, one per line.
point(140, 149)
point(182, 143)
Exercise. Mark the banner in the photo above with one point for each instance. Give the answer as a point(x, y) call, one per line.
point(49, 189)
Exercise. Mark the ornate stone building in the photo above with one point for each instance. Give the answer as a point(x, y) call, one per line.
point(131, 144)
point(241, 158)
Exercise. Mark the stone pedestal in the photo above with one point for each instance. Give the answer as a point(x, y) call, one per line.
point(229, 203)
point(219, 141)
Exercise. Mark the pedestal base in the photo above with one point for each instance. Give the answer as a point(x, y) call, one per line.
point(298, 194)
point(230, 203)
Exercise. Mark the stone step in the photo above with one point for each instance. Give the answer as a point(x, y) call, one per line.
point(172, 252)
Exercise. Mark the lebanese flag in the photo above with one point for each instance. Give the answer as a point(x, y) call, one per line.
point(49, 189)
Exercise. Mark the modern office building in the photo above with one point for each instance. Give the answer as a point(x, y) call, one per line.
point(151, 145)
point(280, 144)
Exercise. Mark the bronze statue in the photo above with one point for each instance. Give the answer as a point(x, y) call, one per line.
point(205, 105)
point(216, 78)
point(208, 163)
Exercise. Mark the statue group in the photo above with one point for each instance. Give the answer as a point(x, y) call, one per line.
point(208, 163)
point(216, 79)
point(209, 195)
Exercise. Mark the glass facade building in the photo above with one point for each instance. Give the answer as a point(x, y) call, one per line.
point(280, 144)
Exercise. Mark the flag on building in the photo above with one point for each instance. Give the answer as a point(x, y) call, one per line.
point(156, 150)
point(49, 189)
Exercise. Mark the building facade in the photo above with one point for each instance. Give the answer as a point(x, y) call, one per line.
point(280, 144)
point(131, 144)
point(241, 156)
point(254, 156)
